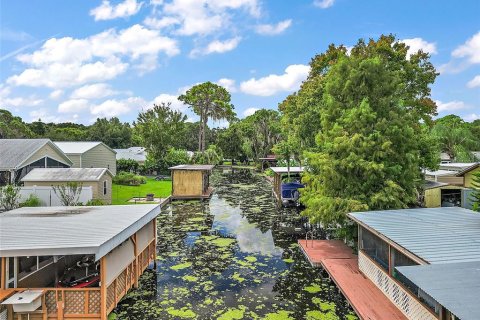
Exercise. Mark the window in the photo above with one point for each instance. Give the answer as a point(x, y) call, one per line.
point(375, 248)
point(105, 187)
point(28, 265)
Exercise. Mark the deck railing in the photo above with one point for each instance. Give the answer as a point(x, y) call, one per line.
point(400, 296)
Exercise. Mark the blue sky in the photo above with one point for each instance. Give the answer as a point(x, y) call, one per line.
point(79, 60)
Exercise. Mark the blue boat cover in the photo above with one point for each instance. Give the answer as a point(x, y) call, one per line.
point(288, 189)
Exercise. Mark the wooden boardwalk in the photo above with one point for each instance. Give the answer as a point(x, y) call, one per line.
point(342, 265)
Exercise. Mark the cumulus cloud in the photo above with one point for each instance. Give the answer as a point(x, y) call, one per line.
point(323, 4)
point(73, 106)
point(228, 84)
point(56, 94)
point(450, 106)
point(417, 44)
point(475, 82)
point(30, 101)
point(46, 116)
point(67, 62)
point(93, 91)
point(273, 84)
point(249, 111)
point(170, 98)
point(113, 108)
point(471, 117)
point(469, 50)
point(216, 46)
point(273, 29)
point(124, 9)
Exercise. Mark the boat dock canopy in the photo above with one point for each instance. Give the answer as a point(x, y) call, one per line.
point(51, 231)
point(435, 235)
point(193, 167)
point(454, 285)
point(280, 170)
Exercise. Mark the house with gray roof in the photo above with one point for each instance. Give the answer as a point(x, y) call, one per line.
point(19, 156)
point(89, 154)
point(100, 179)
point(425, 260)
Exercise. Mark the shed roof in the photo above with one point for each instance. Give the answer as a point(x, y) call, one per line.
point(441, 173)
point(285, 169)
point(79, 147)
point(14, 152)
point(436, 235)
point(428, 184)
point(472, 167)
point(193, 167)
point(456, 166)
point(70, 230)
point(454, 285)
point(65, 174)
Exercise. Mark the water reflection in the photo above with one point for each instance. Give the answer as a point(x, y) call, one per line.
point(233, 257)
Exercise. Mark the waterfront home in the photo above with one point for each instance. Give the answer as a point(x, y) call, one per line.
point(426, 260)
point(138, 154)
point(191, 181)
point(76, 262)
point(280, 191)
point(19, 156)
point(90, 154)
point(100, 179)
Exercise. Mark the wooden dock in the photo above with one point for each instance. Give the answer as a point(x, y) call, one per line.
point(338, 260)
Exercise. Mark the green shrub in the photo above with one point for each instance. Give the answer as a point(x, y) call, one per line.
point(32, 201)
point(212, 155)
point(94, 202)
point(129, 179)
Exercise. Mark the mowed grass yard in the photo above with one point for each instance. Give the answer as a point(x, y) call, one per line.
point(121, 194)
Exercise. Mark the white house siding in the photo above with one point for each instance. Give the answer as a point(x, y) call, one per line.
point(100, 157)
point(119, 259)
point(145, 236)
point(75, 158)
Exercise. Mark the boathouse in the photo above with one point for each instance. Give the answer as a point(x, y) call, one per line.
point(426, 260)
point(72, 262)
point(191, 181)
point(280, 175)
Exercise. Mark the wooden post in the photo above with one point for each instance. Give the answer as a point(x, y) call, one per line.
point(155, 243)
point(60, 307)
point(87, 298)
point(44, 307)
point(3, 274)
point(135, 253)
point(103, 288)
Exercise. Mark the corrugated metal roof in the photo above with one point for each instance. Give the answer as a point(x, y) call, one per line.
point(439, 173)
point(456, 166)
point(436, 235)
point(132, 153)
point(198, 167)
point(46, 231)
point(65, 174)
point(285, 169)
point(455, 286)
point(76, 147)
point(428, 184)
point(14, 152)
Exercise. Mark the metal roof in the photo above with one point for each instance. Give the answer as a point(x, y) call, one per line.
point(132, 153)
point(439, 173)
point(78, 147)
point(46, 231)
point(473, 167)
point(14, 152)
point(65, 174)
point(436, 235)
point(456, 166)
point(285, 169)
point(193, 167)
point(428, 184)
point(454, 285)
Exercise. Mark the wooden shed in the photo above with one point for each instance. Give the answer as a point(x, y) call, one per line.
point(280, 174)
point(77, 262)
point(191, 181)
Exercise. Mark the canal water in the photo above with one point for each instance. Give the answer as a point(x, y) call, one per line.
point(233, 257)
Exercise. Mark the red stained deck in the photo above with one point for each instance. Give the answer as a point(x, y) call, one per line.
point(342, 265)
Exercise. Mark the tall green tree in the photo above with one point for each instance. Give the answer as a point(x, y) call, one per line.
point(158, 130)
point(455, 137)
point(475, 195)
point(367, 154)
point(112, 132)
point(209, 101)
point(12, 127)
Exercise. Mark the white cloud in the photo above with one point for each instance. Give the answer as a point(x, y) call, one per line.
point(471, 117)
point(216, 46)
point(273, 29)
point(228, 84)
point(475, 82)
point(30, 101)
point(93, 91)
point(470, 49)
point(273, 84)
point(112, 108)
point(200, 17)
point(324, 4)
point(417, 44)
point(46, 116)
point(67, 62)
point(249, 111)
point(55, 94)
point(124, 9)
point(169, 98)
point(450, 106)
point(73, 106)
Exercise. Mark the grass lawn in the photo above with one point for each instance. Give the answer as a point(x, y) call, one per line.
point(121, 194)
